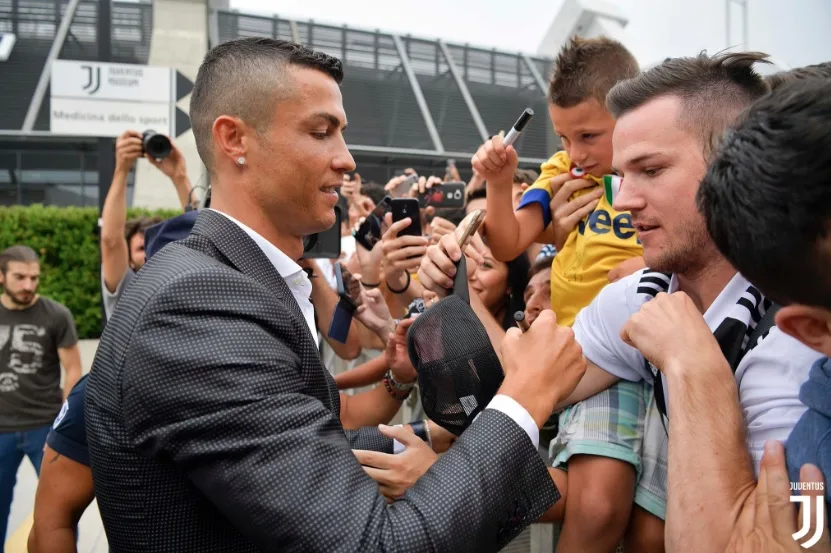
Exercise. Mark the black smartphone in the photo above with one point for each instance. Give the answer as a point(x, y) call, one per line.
point(326, 244)
point(369, 232)
point(407, 207)
point(448, 194)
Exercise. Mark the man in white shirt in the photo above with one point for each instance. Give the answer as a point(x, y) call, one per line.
point(690, 316)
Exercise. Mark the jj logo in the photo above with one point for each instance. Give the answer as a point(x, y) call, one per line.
point(93, 79)
point(805, 526)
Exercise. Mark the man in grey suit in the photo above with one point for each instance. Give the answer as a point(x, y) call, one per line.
point(212, 424)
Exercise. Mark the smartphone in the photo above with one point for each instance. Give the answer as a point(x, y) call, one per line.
point(326, 244)
point(448, 194)
point(407, 207)
point(403, 188)
point(347, 287)
point(475, 221)
point(369, 232)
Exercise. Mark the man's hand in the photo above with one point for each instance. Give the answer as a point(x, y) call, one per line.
point(567, 212)
point(438, 267)
point(128, 149)
point(401, 253)
point(671, 333)
point(767, 521)
point(373, 312)
point(542, 366)
point(396, 474)
point(439, 227)
point(496, 163)
point(424, 184)
point(397, 356)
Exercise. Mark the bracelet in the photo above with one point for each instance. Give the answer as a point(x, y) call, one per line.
point(399, 391)
point(369, 286)
point(401, 291)
point(427, 431)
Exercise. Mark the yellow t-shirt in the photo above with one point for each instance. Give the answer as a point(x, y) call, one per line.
point(599, 243)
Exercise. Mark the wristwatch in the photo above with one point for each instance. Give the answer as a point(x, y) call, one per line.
point(398, 390)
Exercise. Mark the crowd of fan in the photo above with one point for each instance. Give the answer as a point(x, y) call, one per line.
point(670, 439)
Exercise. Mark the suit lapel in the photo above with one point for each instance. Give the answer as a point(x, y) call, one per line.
point(244, 254)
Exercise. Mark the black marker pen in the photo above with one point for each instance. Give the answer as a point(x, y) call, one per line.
point(519, 317)
point(516, 130)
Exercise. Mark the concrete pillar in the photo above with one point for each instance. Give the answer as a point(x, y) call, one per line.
point(180, 41)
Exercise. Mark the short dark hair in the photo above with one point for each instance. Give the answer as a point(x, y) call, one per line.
point(766, 197)
point(373, 191)
point(540, 264)
point(138, 226)
point(713, 90)
point(527, 176)
point(19, 254)
point(588, 68)
point(477, 194)
point(242, 77)
point(817, 71)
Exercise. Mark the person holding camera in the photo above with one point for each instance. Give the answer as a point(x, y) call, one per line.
point(122, 241)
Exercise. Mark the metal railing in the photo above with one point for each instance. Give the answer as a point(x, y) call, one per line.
point(403, 93)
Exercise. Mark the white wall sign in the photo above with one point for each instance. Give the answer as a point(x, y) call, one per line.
point(105, 99)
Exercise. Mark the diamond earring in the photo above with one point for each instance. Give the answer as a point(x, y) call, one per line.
point(241, 160)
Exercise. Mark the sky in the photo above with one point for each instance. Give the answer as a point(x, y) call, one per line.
point(481, 23)
point(656, 28)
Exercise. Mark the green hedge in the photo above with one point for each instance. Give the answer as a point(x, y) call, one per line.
point(67, 240)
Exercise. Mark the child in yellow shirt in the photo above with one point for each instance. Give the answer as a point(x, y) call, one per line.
point(600, 438)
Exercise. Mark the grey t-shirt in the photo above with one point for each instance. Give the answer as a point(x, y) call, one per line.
point(111, 298)
point(30, 369)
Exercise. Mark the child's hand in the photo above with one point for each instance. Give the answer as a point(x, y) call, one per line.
point(496, 163)
point(565, 212)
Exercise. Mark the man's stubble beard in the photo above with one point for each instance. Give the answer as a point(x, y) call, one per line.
point(16, 300)
point(689, 257)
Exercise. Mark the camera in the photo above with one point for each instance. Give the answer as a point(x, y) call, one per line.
point(155, 145)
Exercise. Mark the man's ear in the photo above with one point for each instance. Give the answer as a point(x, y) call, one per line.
point(230, 138)
point(809, 325)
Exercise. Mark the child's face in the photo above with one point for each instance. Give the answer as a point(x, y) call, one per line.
point(586, 132)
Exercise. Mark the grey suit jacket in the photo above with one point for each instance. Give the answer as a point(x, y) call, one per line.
point(213, 426)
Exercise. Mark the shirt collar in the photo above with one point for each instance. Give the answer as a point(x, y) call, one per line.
point(285, 265)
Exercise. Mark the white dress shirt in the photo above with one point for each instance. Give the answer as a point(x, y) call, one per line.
point(294, 275)
point(301, 288)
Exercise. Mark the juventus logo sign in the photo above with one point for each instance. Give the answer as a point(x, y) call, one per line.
point(819, 516)
point(93, 79)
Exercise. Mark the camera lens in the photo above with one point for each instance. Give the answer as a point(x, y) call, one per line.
point(156, 145)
